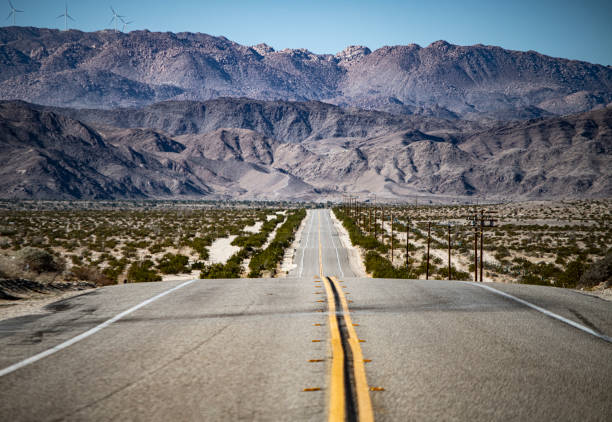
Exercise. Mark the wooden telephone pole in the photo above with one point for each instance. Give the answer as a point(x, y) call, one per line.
point(475, 247)
point(481, 242)
point(428, 243)
point(382, 226)
point(375, 223)
point(407, 242)
point(449, 251)
point(391, 219)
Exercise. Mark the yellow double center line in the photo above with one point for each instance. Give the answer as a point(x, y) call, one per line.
point(337, 396)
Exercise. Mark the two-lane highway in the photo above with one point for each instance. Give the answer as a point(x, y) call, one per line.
point(320, 236)
point(263, 349)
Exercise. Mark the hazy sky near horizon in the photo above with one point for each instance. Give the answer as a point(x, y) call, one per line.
point(580, 30)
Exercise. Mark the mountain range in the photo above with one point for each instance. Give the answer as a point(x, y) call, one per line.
point(251, 149)
point(86, 115)
point(108, 69)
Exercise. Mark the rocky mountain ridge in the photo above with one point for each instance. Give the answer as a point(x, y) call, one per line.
point(108, 69)
point(284, 150)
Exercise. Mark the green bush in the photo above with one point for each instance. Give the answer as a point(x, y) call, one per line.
point(173, 264)
point(442, 272)
point(115, 267)
point(231, 269)
point(200, 245)
point(142, 271)
point(572, 274)
point(39, 260)
point(92, 274)
point(198, 265)
point(598, 272)
point(357, 237)
point(381, 267)
point(268, 259)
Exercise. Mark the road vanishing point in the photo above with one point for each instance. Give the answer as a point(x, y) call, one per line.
point(321, 344)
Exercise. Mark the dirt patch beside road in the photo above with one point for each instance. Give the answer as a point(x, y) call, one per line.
point(25, 297)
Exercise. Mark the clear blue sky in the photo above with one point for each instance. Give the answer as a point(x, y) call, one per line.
point(572, 29)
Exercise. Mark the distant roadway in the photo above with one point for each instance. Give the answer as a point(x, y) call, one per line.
point(318, 345)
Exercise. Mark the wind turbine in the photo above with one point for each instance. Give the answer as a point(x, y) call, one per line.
point(13, 12)
point(115, 18)
point(125, 24)
point(66, 16)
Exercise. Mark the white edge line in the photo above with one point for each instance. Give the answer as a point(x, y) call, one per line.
point(546, 312)
point(304, 251)
point(334, 243)
point(89, 332)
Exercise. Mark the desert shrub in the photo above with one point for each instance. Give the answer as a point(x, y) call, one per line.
point(598, 272)
point(356, 235)
point(155, 248)
point(231, 269)
point(7, 231)
point(256, 240)
point(115, 268)
point(547, 274)
point(142, 271)
point(200, 245)
point(173, 264)
point(8, 269)
point(381, 267)
point(5, 243)
point(76, 260)
point(265, 260)
point(501, 253)
point(570, 276)
point(39, 260)
point(422, 267)
point(530, 278)
point(198, 265)
point(92, 274)
point(269, 258)
point(442, 272)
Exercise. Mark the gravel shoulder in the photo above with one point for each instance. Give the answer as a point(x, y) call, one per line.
point(355, 254)
point(24, 297)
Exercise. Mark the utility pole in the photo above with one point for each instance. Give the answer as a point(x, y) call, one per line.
point(391, 218)
point(363, 216)
point(407, 243)
point(475, 247)
point(481, 241)
point(428, 242)
point(449, 251)
point(375, 223)
point(382, 226)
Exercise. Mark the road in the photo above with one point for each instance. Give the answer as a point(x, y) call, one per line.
point(291, 349)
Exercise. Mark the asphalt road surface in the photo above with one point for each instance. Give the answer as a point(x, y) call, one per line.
point(291, 349)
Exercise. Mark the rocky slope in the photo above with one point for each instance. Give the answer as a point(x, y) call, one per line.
point(238, 148)
point(107, 69)
point(283, 120)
